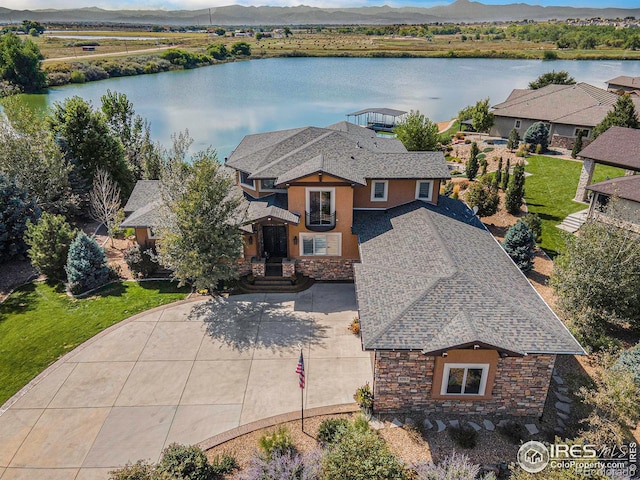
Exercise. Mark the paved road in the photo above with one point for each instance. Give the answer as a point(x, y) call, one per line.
point(182, 373)
point(109, 54)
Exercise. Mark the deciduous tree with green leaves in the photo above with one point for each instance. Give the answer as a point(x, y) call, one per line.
point(623, 114)
point(552, 78)
point(201, 217)
point(49, 240)
point(20, 63)
point(481, 116)
point(417, 132)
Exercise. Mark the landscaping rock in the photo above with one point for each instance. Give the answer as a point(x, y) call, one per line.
point(454, 423)
point(409, 421)
point(475, 426)
point(558, 379)
point(563, 390)
point(427, 424)
point(563, 407)
point(502, 423)
point(531, 428)
point(562, 397)
point(395, 423)
point(560, 423)
point(441, 425)
point(562, 416)
point(488, 424)
point(376, 424)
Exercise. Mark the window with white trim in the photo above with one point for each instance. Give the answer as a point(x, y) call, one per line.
point(321, 206)
point(517, 124)
point(244, 180)
point(320, 244)
point(379, 190)
point(424, 189)
point(464, 378)
point(152, 234)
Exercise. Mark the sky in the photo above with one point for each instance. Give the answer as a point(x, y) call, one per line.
point(197, 4)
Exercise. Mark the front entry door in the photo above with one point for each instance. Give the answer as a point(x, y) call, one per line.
point(275, 241)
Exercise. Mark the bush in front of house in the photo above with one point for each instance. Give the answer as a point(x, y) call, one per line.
point(224, 464)
point(141, 261)
point(532, 220)
point(537, 134)
point(277, 442)
point(484, 195)
point(330, 430)
point(519, 243)
point(361, 455)
point(630, 360)
point(456, 466)
point(86, 265)
point(463, 435)
point(135, 471)
point(185, 463)
point(285, 466)
point(49, 240)
point(513, 431)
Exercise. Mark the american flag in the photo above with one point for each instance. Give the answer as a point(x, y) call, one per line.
point(300, 371)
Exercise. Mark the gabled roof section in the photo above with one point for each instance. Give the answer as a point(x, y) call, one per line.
point(579, 104)
point(146, 216)
point(144, 192)
point(625, 81)
point(343, 150)
point(260, 210)
point(627, 188)
point(433, 278)
point(618, 147)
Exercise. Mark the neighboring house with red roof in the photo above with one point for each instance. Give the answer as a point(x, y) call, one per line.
point(566, 109)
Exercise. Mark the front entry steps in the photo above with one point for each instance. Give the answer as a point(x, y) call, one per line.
point(274, 285)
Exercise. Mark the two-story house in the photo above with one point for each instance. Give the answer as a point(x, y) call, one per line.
point(305, 184)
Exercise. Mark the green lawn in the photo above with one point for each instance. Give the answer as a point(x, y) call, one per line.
point(549, 192)
point(39, 323)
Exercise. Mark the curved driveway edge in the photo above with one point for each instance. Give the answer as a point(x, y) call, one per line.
point(182, 373)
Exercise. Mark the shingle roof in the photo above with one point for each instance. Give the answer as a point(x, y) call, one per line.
point(258, 210)
point(344, 150)
point(618, 147)
point(580, 104)
point(433, 278)
point(144, 192)
point(625, 81)
point(145, 216)
point(382, 111)
point(627, 188)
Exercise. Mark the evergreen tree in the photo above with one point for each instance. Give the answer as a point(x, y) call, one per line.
point(505, 177)
point(515, 190)
point(49, 240)
point(532, 220)
point(417, 132)
point(472, 165)
point(623, 114)
point(484, 195)
point(514, 140)
point(86, 265)
point(519, 243)
point(537, 134)
point(577, 145)
point(15, 211)
point(498, 175)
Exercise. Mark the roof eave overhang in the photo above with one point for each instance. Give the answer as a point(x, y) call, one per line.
point(481, 345)
point(276, 217)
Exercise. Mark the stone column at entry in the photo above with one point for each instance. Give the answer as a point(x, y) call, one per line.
point(586, 175)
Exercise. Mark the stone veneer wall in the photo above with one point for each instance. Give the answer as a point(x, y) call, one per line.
point(560, 141)
point(244, 266)
point(320, 268)
point(402, 383)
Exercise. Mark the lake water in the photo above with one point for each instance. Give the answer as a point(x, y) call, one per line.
point(222, 103)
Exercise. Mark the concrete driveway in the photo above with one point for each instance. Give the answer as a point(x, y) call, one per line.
point(182, 373)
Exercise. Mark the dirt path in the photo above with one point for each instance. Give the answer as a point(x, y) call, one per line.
point(111, 54)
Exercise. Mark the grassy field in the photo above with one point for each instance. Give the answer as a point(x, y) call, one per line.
point(326, 43)
point(39, 323)
point(549, 192)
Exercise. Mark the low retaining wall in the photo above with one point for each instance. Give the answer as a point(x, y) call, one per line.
point(326, 268)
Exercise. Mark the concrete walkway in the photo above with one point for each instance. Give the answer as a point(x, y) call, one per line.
point(182, 373)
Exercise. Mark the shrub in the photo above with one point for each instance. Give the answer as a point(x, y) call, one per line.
point(15, 211)
point(49, 240)
point(241, 48)
point(141, 262)
point(330, 430)
point(285, 466)
point(577, 145)
point(135, 471)
point(515, 190)
point(447, 189)
point(514, 140)
point(630, 360)
point(483, 195)
point(361, 455)
point(86, 265)
point(464, 436)
point(513, 431)
point(77, 77)
point(183, 462)
point(218, 51)
point(277, 442)
point(456, 466)
point(519, 243)
point(505, 176)
point(364, 396)
point(532, 220)
point(537, 134)
point(224, 465)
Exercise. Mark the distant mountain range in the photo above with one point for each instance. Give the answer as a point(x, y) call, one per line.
point(459, 11)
